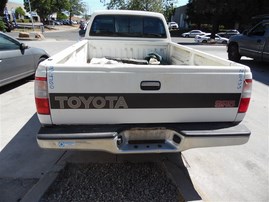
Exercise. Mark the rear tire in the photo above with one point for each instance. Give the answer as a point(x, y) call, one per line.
point(233, 53)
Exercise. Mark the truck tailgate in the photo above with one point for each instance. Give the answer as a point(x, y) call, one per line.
point(110, 94)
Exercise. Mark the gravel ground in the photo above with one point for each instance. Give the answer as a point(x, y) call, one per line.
point(113, 182)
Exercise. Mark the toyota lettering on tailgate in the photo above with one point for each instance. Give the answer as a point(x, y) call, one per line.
point(143, 100)
point(73, 102)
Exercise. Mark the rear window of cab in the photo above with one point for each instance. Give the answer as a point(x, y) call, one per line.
point(128, 26)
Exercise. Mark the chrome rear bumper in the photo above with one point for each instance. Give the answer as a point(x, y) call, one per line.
point(142, 138)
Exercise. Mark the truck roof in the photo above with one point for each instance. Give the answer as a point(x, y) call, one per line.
point(127, 12)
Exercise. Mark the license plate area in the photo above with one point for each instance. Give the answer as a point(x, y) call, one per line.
point(146, 134)
point(147, 139)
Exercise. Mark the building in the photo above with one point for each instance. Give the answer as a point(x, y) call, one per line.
point(180, 17)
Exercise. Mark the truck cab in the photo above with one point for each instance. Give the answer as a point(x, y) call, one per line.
point(253, 43)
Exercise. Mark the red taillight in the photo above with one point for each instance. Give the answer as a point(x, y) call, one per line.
point(244, 103)
point(42, 106)
point(41, 96)
point(245, 99)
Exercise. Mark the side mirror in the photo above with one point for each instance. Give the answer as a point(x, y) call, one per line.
point(23, 46)
point(82, 32)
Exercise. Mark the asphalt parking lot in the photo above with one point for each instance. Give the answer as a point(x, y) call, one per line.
point(236, 173)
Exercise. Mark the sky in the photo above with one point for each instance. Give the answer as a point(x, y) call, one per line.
point(96, 5)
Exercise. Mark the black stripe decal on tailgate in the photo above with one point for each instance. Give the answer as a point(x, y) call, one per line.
point(142, 101)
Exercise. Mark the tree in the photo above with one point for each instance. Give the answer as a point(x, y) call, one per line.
point(61, 16)
point(115, 4)
point(19, 12)
point(2, 6)
point(227, 12)
point(60, 5)
point(145, 5)
point(243, 11)
point(76, 7)
point(168, 9)
point(208, 11)
point(161, 6)
point(44, 8)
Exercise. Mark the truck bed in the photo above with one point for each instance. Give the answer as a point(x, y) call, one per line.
point(172, 53)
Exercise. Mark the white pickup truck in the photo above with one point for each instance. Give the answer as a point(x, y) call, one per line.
point(127, 88)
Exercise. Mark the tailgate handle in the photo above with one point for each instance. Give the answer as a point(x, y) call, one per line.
point(150, 85)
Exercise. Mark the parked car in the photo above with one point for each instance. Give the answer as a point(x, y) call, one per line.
point(53, 22)
point(58, 22)
point(253, 43)
point(17, 60)
point(172, 25)
point(228, 33)
point(67, 22)
point(206, 38)
point(193, 33)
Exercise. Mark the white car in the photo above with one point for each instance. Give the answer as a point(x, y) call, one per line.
point(206, 38)
point(172, 25)
point(193, 33)
point(229, 33)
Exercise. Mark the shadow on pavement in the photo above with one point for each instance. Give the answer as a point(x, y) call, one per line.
point(260, 70)
point(200, 44)
point(180, 175)
point(14, 85)
point(23, 163)
point(188, 43)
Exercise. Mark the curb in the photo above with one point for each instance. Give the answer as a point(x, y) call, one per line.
point(39, 189)
point(173, 163)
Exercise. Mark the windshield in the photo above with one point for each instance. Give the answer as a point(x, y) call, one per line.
point(127, 26)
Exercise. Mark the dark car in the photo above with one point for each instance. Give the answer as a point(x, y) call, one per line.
point(17, 60)
point(67, 22)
